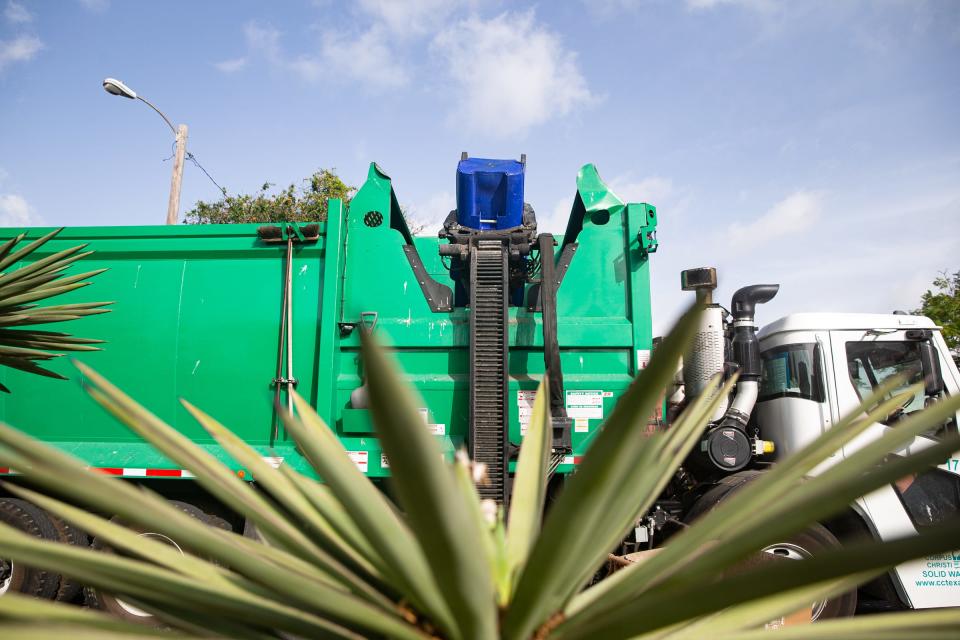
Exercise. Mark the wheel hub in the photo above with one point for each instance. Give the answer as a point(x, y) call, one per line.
point(6, 575)
point(131, 608)
point(792, 551)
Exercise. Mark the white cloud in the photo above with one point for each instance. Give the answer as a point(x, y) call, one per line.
point(263, 39)
point(431, 212)
point(95, 5)
point(792, 215)
point(17, 13)
point(758, 5)
point(366, 59)
point(16, 212)
point(653, 190)
point(231, 66)
point(20, 49)
point(411, 18)
point(511, 74)
point(555, 220)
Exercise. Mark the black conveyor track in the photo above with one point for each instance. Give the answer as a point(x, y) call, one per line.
point(489, 364)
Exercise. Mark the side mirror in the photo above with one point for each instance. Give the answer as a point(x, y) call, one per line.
point(932, 376)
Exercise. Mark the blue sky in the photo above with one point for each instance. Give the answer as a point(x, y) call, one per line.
point(814, 144)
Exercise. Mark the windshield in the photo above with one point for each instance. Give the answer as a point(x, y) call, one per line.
point(872, 363)
point(791, 371)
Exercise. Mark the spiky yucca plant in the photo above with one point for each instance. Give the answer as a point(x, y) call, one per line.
point(340, 560)
point(21, 348)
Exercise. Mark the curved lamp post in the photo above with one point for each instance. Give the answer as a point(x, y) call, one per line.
point(117, 88)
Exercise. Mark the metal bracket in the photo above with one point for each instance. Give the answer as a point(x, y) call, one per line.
point(647, 235)
point(368, 320)
point(286, 381)
point(439, 296)
point(275, 234)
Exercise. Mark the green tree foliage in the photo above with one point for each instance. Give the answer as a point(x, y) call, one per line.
point(306, 203)
point(943, 307)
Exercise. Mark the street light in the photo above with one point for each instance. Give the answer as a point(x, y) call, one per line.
point(117, 88)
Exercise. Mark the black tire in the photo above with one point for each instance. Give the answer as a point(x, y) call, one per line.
point(804, 544)
point(97, 599)
point(69, 588)
point(17, 577)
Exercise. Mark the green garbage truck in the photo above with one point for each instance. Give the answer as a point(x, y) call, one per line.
point(232, 317)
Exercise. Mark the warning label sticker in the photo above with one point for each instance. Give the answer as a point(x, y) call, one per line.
point(581, 425)
point(643, 358)
point(360, 458)
point(525, 408)
point(384, 463)
point(435, 429)
point(585, 404)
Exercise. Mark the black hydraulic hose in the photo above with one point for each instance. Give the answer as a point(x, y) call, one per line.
point(551, 347)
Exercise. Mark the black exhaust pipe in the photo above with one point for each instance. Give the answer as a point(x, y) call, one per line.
point(746, 347)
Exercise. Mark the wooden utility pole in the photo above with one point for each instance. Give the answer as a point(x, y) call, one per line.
point(173, 208)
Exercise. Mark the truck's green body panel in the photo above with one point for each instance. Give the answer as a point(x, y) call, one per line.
point(198, 316)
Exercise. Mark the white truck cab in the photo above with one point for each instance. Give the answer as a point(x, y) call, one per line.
point(817, 368)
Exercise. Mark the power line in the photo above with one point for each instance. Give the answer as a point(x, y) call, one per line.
point(192, 158)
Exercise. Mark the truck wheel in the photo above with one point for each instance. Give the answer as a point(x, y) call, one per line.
point(68, 534)
point(97, 599)
point(14, 576)
point(806, 544)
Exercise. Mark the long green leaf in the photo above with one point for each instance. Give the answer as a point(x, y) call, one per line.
point(9, 245)
point(22, 253)
point(217, 479)
point(667, 606)
point(558, 561)
point(406, 563)
point(529, 484)
point(492, 541)
point(834, 489)
point(42, 294)
point(53, 262)
point(325, 502)
point(46, 631)
point(713, 557)
point(762, 610)
point(435, 512)
point(726, 521)
point(941, 624)
point(15, 606)
point(120, 537)
point(48, 345)
point(29, 367)
point(60, 473)
point(153, 584)
point(290, 579)
point(652, 472)
point(282, 490)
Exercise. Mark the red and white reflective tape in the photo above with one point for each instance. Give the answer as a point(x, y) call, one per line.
point(572, 459)
point(130, 472)
point(127, 472)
